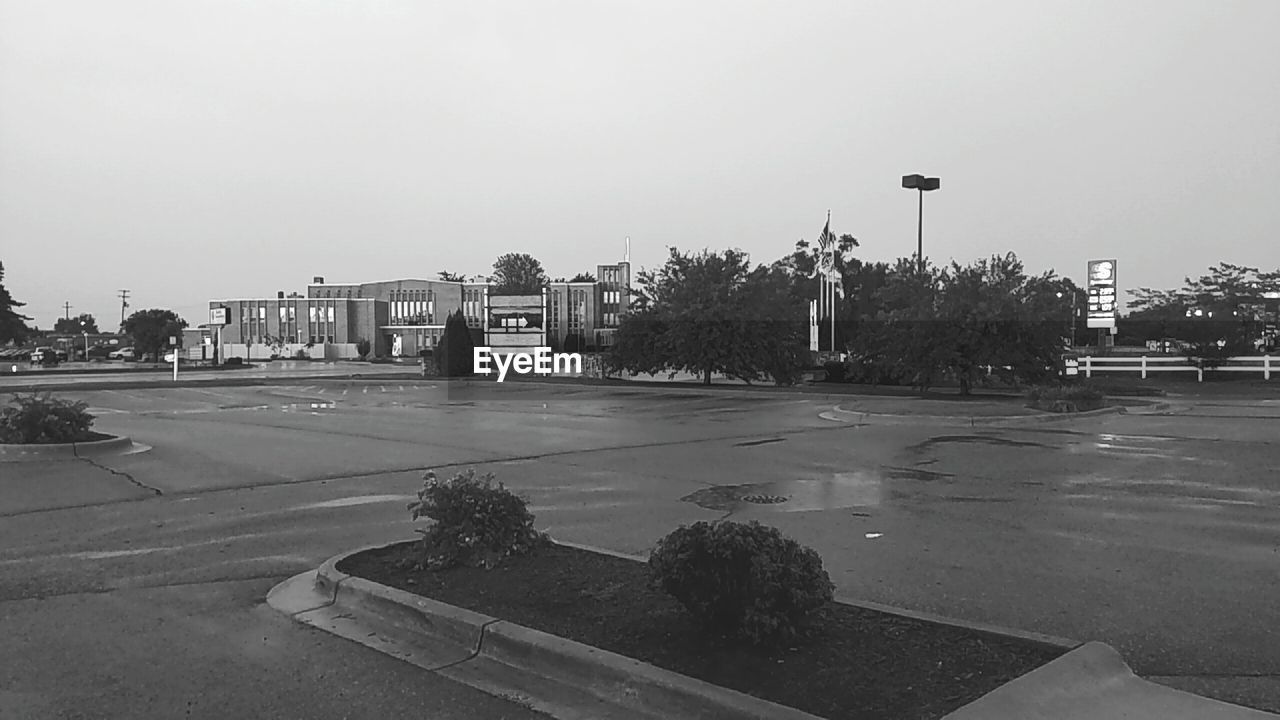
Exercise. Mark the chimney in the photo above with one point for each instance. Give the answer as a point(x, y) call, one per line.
point(279, 294)
point(317, 280)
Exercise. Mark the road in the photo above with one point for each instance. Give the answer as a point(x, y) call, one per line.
point(1157, 534)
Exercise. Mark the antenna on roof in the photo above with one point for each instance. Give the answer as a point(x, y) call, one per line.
point(626, 256)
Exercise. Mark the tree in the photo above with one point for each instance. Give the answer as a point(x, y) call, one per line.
point(518, 274)
point(583, 277)
point(1223, 290)
point(151, 330)
point(965, 323)
point(78, 324)
point(1238, 300)
point(451, 277)
point(13, 326)
point(455, 355)
point(801, 267)
point(710, 313)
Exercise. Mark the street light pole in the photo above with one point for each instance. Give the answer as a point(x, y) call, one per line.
point(922, 184)
point(1073, 318)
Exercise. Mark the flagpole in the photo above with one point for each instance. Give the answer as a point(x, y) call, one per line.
point(833, 282)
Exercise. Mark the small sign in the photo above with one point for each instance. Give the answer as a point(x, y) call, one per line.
point(173, 340)
point(515, 322)
point(219, 316)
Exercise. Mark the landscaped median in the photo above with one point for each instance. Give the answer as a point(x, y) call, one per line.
point(40, 427)
point(577, 632)
point(898, 665)
point(722, 620)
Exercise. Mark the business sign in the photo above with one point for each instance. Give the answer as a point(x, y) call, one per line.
point(1102, 294)
point(516, 321)
point(219, 316)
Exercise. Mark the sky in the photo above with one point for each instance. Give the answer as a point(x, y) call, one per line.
point(189, 150)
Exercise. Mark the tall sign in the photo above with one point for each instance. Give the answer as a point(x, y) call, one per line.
point(515, 323)
point(1103, 306)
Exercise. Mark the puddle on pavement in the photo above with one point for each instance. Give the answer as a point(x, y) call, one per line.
point(975, 439)
point(842, 490)
point(753, 443)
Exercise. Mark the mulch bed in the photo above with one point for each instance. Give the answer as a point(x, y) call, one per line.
point(858, 664)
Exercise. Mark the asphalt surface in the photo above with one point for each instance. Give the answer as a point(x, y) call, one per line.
point(133, 586)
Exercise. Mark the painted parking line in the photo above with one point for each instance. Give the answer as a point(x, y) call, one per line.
point(365, 390)
point(383, 388)
point(344, 390)
point(211, 393)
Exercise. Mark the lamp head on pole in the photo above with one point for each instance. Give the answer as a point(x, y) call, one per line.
point(920, 182)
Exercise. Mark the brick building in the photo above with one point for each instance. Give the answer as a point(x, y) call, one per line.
point(400, 318)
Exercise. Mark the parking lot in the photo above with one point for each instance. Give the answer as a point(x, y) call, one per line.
point(1158, 534)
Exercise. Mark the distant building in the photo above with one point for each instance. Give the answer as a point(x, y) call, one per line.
point(401, 318)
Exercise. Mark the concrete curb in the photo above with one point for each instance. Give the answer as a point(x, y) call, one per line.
point(840, 414)
point(1092, 682)
point(90, 384)
point(548, 673)
point(111, 446)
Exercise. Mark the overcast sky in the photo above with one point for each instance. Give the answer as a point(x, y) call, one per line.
point(189, 150)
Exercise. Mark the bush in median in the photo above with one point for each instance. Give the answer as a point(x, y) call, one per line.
point(476, 523)
point(1066, 398)
point(41, 418)
point(742, 580)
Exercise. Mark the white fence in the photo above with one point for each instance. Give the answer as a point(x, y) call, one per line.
point(1145, 364)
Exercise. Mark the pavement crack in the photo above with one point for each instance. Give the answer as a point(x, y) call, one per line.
point(156, 491)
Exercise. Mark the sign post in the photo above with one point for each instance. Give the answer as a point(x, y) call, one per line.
point(1102, 299)
point(173, 348)
point(218, 317)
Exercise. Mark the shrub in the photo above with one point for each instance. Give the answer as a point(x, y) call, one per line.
point(234, 361)
point(301, 354)
point(835, 371)
point(742, 580)
point(40, 418)
point(477, 524)
point(363, 347)
point(1066, 398)
point(455, 354)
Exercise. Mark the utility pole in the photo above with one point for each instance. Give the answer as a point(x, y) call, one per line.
point(66, 309)
point(124, 303)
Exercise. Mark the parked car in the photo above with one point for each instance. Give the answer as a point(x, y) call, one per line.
point(46, 356)
point(62, 355)
point(99, 351)
point(124, 353)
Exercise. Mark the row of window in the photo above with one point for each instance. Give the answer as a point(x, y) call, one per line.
point(414, 312)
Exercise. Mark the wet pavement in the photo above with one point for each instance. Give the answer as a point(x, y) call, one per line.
point(1159, 534)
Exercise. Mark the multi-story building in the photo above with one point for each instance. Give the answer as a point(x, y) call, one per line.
point(401, 318)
